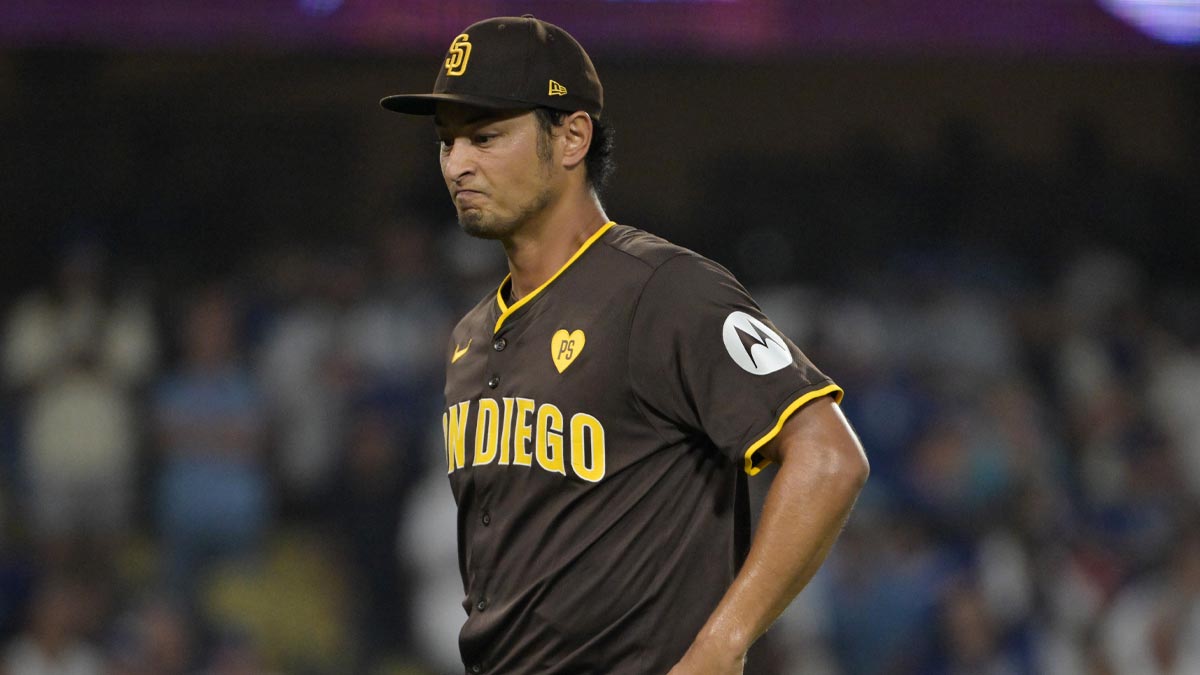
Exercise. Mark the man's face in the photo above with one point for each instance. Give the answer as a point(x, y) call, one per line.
point(497, 165)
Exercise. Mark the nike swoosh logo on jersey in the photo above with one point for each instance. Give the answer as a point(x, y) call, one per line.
point(458, 353)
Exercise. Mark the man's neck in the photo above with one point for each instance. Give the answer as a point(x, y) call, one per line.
point(540, 250)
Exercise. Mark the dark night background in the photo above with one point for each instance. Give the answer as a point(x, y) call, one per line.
point(227, 277)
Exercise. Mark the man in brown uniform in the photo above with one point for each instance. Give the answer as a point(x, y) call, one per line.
point(606, 405)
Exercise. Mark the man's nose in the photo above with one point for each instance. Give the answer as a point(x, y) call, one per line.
point(457, 161)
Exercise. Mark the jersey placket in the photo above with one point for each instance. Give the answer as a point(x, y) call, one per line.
point(501, 365)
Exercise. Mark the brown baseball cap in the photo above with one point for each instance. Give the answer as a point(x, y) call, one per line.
point(511, 63)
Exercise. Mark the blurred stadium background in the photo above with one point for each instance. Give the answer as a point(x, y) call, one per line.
point(228, 276)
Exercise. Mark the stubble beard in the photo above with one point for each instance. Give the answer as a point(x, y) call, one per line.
point(484, 225)
point(473, 223)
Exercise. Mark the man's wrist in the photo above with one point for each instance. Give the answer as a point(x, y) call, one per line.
point(726, 645)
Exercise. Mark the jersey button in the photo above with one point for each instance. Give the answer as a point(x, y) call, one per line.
point(481, 605)
point(499, 344)
point(486, 519)
point(476, 668)
point(494, 381)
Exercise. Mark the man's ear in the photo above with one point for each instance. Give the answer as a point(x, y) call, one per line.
point(576, 138)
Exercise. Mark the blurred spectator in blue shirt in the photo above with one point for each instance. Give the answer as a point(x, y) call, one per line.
point(213, 500)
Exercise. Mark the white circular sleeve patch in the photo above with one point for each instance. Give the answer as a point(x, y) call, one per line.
point(754, 346)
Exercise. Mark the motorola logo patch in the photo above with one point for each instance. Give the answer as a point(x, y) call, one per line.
point(753, 346)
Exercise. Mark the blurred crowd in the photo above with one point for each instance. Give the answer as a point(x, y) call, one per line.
point(242, 476)
point(1033, 500)
point(215, 481)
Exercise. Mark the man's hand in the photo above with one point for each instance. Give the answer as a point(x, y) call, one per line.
point(704, 658)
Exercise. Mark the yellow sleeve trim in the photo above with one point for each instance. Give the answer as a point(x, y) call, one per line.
point(505, 310)
point(751, 467)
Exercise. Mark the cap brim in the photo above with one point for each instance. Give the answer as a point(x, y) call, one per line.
point(426, 104)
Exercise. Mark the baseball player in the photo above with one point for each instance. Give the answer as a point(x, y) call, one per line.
point(605, 406)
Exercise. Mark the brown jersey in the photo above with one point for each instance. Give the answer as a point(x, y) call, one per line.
point(598, 433)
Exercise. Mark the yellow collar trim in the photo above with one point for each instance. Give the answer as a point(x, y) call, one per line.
point(506, 311)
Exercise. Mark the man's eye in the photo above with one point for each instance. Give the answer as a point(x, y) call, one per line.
point(483, 139)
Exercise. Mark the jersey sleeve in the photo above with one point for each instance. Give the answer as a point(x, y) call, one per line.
point(705, 361)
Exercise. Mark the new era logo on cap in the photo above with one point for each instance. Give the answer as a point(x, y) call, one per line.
point(511, 63)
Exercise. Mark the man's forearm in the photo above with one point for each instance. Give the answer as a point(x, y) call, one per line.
point(820, 475)
point(800, 521)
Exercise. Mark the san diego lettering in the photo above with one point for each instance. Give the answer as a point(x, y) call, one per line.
point(519, 432)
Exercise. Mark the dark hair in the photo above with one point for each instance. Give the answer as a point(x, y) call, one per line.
point(599, 161)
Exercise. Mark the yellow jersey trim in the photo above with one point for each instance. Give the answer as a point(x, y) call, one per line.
point(506, 311)
point(751, 467)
